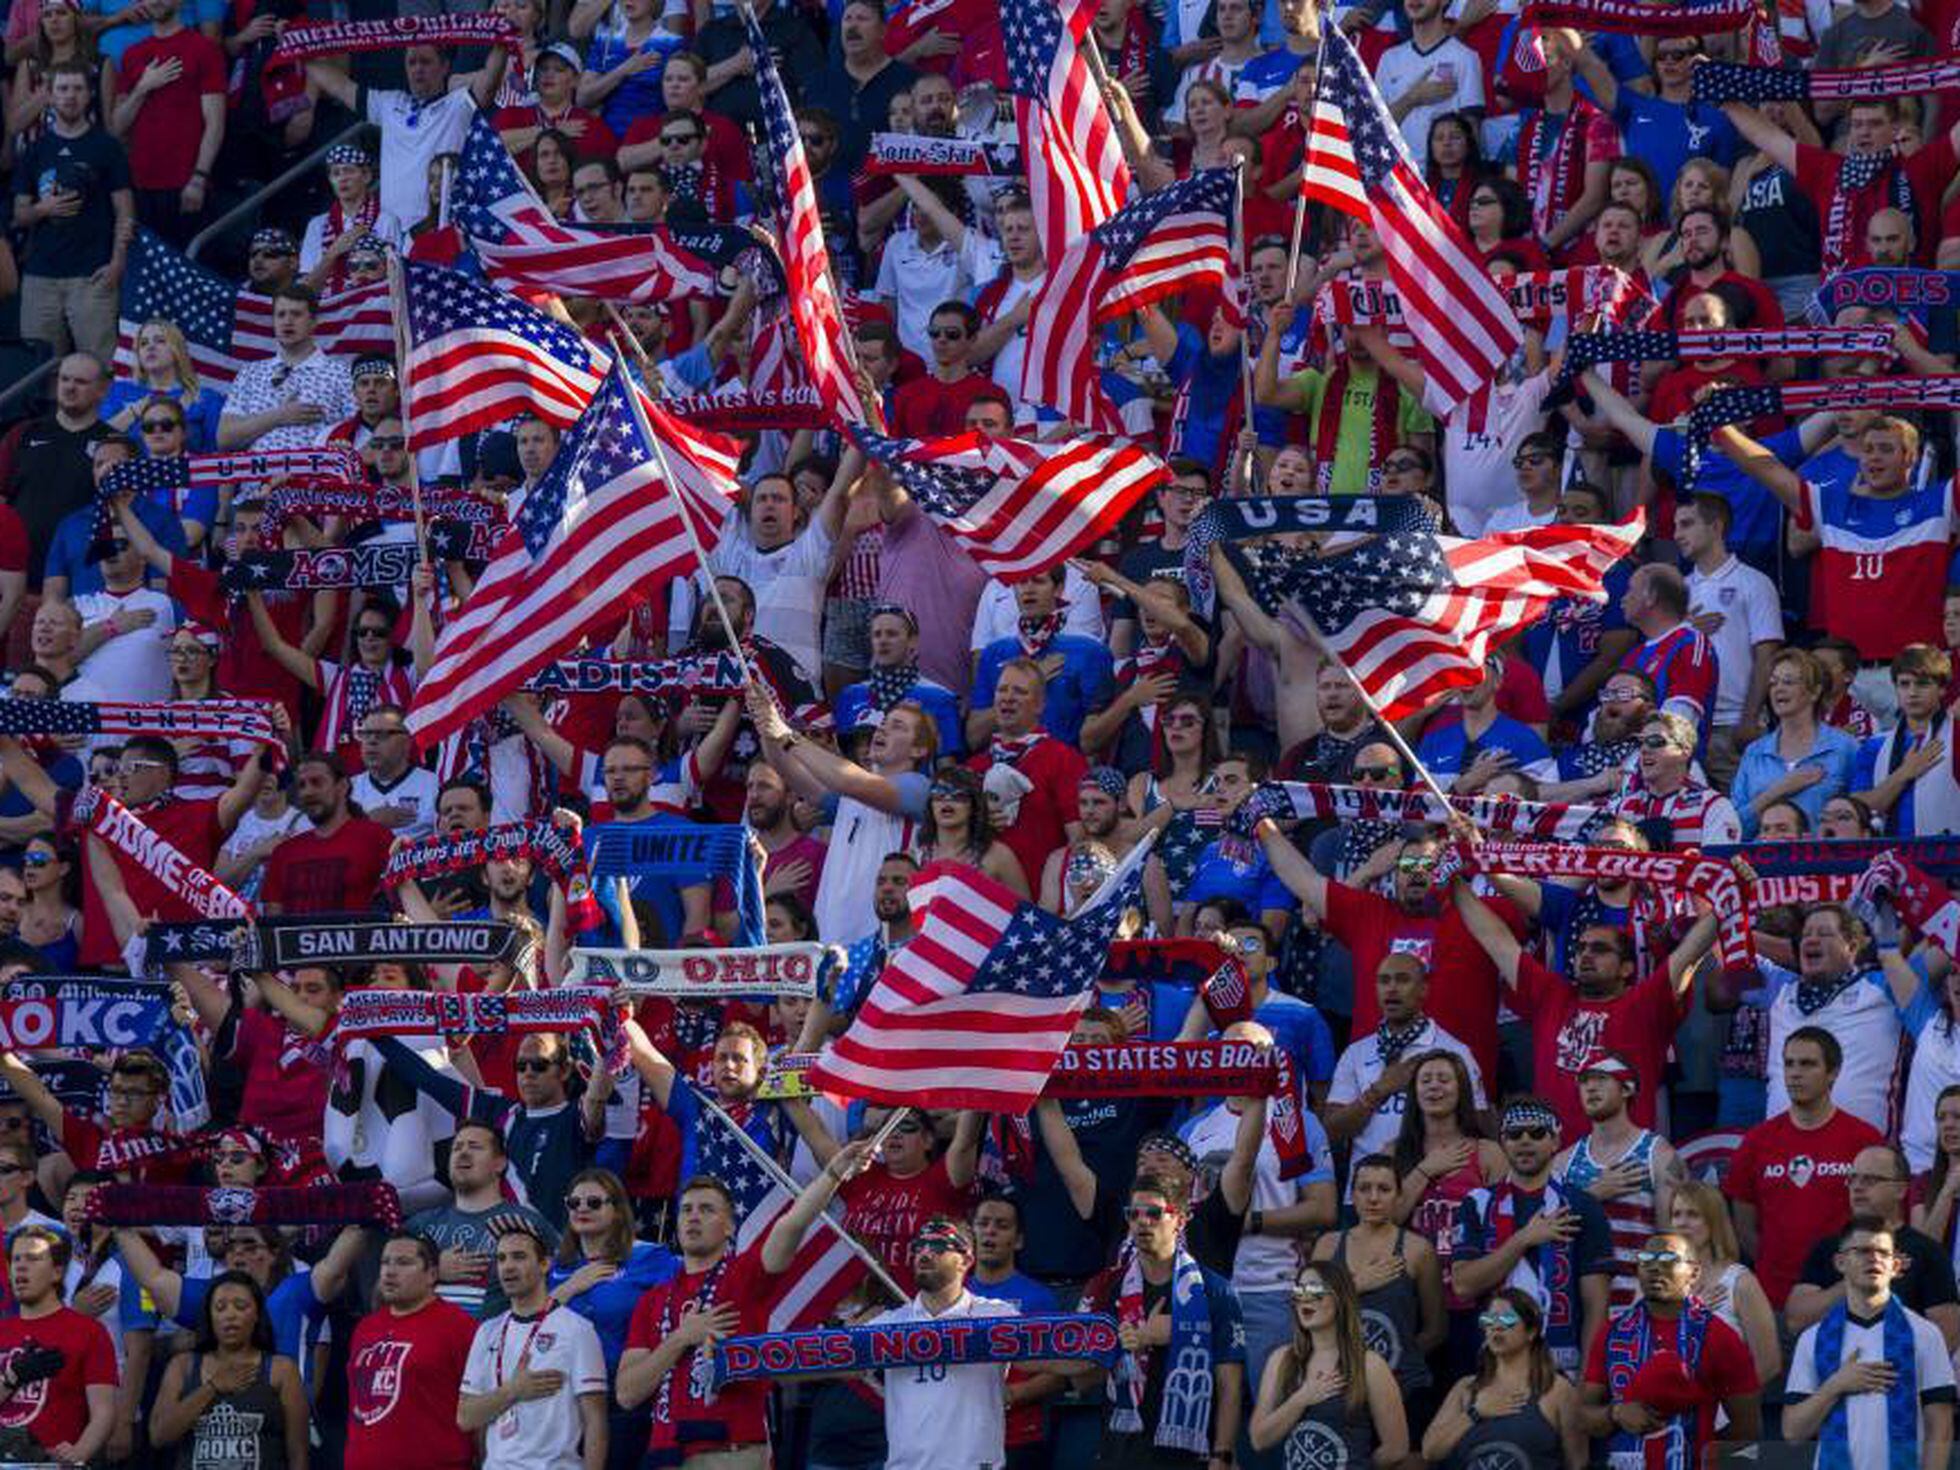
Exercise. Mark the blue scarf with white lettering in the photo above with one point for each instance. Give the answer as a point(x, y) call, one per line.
point(86, 1011)
point(684, 852)
point(1901, 1400)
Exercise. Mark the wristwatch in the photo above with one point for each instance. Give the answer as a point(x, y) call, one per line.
point(1255, 1223)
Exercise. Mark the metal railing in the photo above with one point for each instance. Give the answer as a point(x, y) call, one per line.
point(251, 203)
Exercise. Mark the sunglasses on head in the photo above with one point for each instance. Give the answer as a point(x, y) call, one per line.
point(1311, 1291)
point(949, 791)
point(1656, 1258)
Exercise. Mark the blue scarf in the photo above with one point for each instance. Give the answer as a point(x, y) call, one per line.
point(684, 852)
point(1184, 1412)
point(87, 1011)
point(1901, 1402)
point(1546, 1270)
point(1629, 1344)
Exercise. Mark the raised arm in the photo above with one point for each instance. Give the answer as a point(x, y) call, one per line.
point(1760, 465)
point(289, 658)
point(828, 769)
point(1778, 146)
point(1306, 882)
point(1077, 1177)
point(1489, 931)
point(1622, 415)
point(785, 1237)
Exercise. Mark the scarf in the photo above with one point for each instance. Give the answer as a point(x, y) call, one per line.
point(132, 842)
point(355, 939)
point(704, 1430)
point(1890, 394)
point(1703, 877)
point(747, 410)
point(1586, 349)
point(1552, 176)
point(920, 153)
point(1010, 750)
point(1858, 172)
point(1630, 1346)
point(1640, 17)
point(1910, 292)
point(1544, 1271)
point(1723, 81)
point(338, 223)
point(765, 971)
point(1241, 518)
point(367, 1014)
point(383, 502)
point(683, 852)
point(372, 564)
point(666, 678)
point(1384, 425)
point(144, 1205)
point(1184, 1414)
point(1037, 633)
point(889, 684)
point(176, 719)
point(548, 846)
point(1317, 801)
point(1834, 1450)
point(310, 40)
point(927, 1343)
point(70, 1011)
point(1537, 298)
point(334, 464)
point(1392, 1041)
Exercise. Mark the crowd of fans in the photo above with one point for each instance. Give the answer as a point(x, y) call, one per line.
point(1571, 1192)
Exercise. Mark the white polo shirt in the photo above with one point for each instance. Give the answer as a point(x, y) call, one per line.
point(943, 1417)
point(1360, 1066)
point(1751, 614)
point(537, 1434)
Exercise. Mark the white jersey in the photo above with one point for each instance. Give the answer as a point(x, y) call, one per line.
point(1360, 1067)
point(1864, 1019)
point(1867, 1434)
point(945, 1417)
point(537, 1434)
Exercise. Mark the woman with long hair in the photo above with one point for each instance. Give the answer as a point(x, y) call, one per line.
point(1630, 182)
point(1170, 795)
point(600, 1272)
point(958, 828)
point(51, 919)
point(1516, 1398)
point(1499, 217)
point(231, 1384)
point(207, 766)
point(60, 35)
point(1326, 1386)
point(1938, 1186)
point(553, 158)
point(1400, 1281)
point(1700, 1215)
point(1456, 163)
point(164, 369)
point(1802, 760)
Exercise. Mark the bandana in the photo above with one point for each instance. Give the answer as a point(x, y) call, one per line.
point(146, 1205)
point(1530, 1115)
point(1392, 1041)
point(888, 684)
point(1038, 633)
point(1010, 750)
point(1108, 780)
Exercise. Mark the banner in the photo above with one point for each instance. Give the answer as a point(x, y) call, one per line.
point(546, 845)
point(370, 564)
point(313, 39)
point(787, 1076)
point(1705, 877)
point(366, 1014)
point(684, 853)
point(85, 1011)
point(172, 719)
point(1168, 1069)
point(1939, 856)
point(327, 939)
point(920, 154)
point(1640, 17)
point(661, 678)
point(1727, 81)
point(1273, 515)
point(702, 974)
point(140, 1206)
point(832, 1351)
point(1563, 821)
point(377, 503)
point(131, 839)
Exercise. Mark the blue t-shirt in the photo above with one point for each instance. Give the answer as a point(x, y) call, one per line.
point(1025, 1292)
point(662, 894)
point(1085, 684)
point(201, 411)
point(291, 1307)
point(1757, 516)
point(609, 1305)
point(1254, 884)
point(1865, 775)
point(1668, 134)
point(118, 39)
point(1267, 72)
point(1301, 1032)
point(1569, 635)
point(1447, 751)
point(854, 703)
point(1207, 382)
point(68, 550)
point(639, 95)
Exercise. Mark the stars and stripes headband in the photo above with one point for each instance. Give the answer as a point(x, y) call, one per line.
point(349, 153)
point(273, 241)
point(206, 636)
point(1108, 780)
point(374, 367)
point(1530, 1115)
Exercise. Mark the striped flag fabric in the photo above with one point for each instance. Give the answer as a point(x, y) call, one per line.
point(226, 326)
point(174, 719)
point(1413, 615)
point(1016, 506)
point(478, 356)
point(822, 1273)
point(1730, 81)
point(598, 533)
point(1176, 240)
point(1077, 175)
point(975, 1010)
point(1357, 162)
point(828, 355)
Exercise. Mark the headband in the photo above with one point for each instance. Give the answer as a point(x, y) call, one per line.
point(1108, 780)
point(1171, 1144)
point(274, 240)
point(346, 153)
point(208, 637)
point(896, 610)
point(1530, 1115)
point(943, 1232)
point(1612, 1064)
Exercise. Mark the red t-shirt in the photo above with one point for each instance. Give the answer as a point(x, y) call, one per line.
point(164, 139)
point(1041, 825)
point(286, 1077)
point(13, 540)
point(1927, 173)
point(1566, 1028)
point(1797, 1180)
point(595, 142)
point(55, 1410)
point(736, 1415)
point(1768, 310)
point(189, 826)
point(403, 1378)
point(311, 874)
point(727, 148)
point(926, 408)
point(1464, 999)
point(82, 1139)
point(1674, 391)
point(885, 1212)
point(1725, 1369)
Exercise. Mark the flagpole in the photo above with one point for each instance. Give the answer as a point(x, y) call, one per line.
point(693, 540)
point(398, 300)
point(1325, 13)
point(1245, 303)
point(781, 1176)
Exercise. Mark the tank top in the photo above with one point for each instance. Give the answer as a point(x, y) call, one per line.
point(1525, 1440)
point(1391, 1318)
point(245, 1430)
point(1630, 1218)
point(1725, 1283)
point(1331, 1436)
point(1434, 1218)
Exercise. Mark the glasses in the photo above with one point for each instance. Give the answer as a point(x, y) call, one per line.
point(1621, 696)
point(162, 426)
point(1374, 773)
point(1656, 742)
point(387, 441)
point(1656, 1258)
point(129, 1094)
point(1498, 1321)
point(908, 1127)
point(946, 334)
point(586, 1201)
point(948, 791)
point(1415, 864)
point(1153, 1213)
point(371, 631)
point(1875, 1252)
point(1401, 466)
point(132, 766)
point(534, 1064)
point(1534, 1132)
point(1184, 721)
point(1868, 1180)
point(36, 859)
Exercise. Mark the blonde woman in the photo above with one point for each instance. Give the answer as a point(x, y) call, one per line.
point(164, 369)
point(1700, 1215)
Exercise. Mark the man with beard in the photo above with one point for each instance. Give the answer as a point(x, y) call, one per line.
point(795, 859)
point(1369, 1093)
point(665, 911)
point(1630, 1171)
point(891, 906)
point(1704, 236)
point(1106, 833)
point(336, 867)
point(895, 675)
point(405, 1368)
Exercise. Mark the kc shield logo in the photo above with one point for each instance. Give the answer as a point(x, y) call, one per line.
point(374, 1379)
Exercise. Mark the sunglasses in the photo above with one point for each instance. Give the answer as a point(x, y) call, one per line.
point(586, 1201)
point(937, 1246)
point(949, 791)
point(907, 1128)
point(1535, 1132)
point(1310, 1292)
point(1401, 466)
point(131, 767)
point(161, 426)
point(1498, 1321)
point(1184, 721)
point(371, 632)
point(1153, 1213)
point(1415, 864)
point(1374, 773)
point(946, 334)
point(1656, 742)
point(534, 1064)
point(36, 859)
point(1656, 1258)
point(1621, 696)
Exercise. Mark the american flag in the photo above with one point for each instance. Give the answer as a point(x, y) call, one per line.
point(1077, 176)
point(1175, 240)
point(1413, 615)
point(822, 1273)
point(975, 1010)
point(597, 534)
point(1018, 507)
point(226, 326)
point(478, 356)
point(521, 243)
point(1357, 162)
point(1727, 81)
point(827, 352)
point(211, 719)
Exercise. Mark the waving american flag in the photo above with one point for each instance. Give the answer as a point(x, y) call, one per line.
point(1077, 176)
